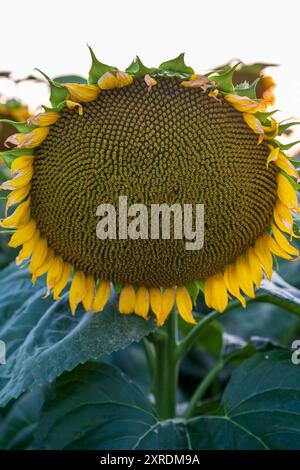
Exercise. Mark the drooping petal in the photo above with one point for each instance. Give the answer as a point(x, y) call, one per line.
point(255, 266)
point(276, 249)
point(150, 82)
point(142, 302)
point(110, 80)
point(22, 234)
point(127, 299)
point(286, 192)
point(16, 196)
point(254, 123)
point(232, 284)
point(19, 181)
point(168, 299)
point(264, 255)
point(283, 242)
point(55, 272)
point(215, 292)
point(77, 290)
point(184, 304)
point(82, 93)
point(30, 140)
point(156, 302)
point(286, 165)
point(20, 163)
point(273, 155)
point(244, 275)
point(102, 296)
point(39, 254)
point(72, 105)
point(283, 217)
point(27, 248)
point(66, 274)
point(245, 104)
point(43, 268)
point(44, 119)
point(89, 293)
point(19, 217)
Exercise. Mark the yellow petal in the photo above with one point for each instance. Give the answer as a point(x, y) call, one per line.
point(20, 163)
point(43, 268)
point(82, 93)
point(43, 119)
point(77, 290)
point(16, 196)
point(19, 217)
point(66, 274)
point(286, 165)
point(276, 249)
point(168, 299)
point(89, 293)
point(39, 254)
point(255, 266)
point(232, 284)
point(264, 255)
point(184, 304)
point(27, 248)
point(215, 292)
point(72, 105)
point(150, 81)
point(22, 234)
point(101, 297)
point(30, 140)
point(19, 181)
point(111, 80)
point(245, 104)
point(254, 123)
point(286, 192)
point(282, 241)
point(55, 272)
point(142, 302)
point(273, 155)
point(156, 302)
point(244, 275)
point(127, 299)
point(283, 217)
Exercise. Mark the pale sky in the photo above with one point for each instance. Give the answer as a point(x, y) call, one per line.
point(52, 36)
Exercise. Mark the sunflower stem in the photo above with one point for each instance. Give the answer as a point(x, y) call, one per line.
point(187, 343)
point(166, 377)
point(202, 387)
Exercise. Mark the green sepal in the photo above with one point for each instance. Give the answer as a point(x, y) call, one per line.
point(22, 127)
point(118, 287)
point(249, 91)
point(97, 69)
point(138, 69)
point(9, 155)
point(296, 230)
point(284, 127)
point(224, 80)
point(285, 146)
point(70, 79)
point(193, 289)
point(57, 92)
point(175, 68)
point(57, 109)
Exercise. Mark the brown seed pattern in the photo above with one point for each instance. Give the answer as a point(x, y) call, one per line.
point(172, 145)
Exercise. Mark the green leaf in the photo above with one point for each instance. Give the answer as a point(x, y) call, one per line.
point(248, 90)
point(261, 408)
point(70, 79)
point(58, 93)
point(20, 126)
point(138, 69)
point(97, 68)
point(175, 67)
point(93, 407)
point(45, 340)
point(224, 80)
point(20, 420)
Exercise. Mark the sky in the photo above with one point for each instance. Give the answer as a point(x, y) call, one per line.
point(52, 36)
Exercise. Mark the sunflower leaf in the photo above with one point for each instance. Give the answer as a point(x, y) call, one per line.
point(175, 67)
point(97, 68)
point(266, 386)
point(43, 339)
point(93, 407)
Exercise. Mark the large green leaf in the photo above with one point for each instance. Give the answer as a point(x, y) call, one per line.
point(94, 407)
point(261, 410)
point(43, 339)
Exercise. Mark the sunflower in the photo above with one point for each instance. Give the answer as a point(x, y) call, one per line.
point(157, 135)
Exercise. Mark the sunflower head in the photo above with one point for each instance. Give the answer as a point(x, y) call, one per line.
point(163, 136)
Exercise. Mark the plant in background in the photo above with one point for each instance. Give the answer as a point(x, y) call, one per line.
point(156, 135)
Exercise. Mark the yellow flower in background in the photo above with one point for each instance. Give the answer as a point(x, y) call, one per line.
point(164, 135)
